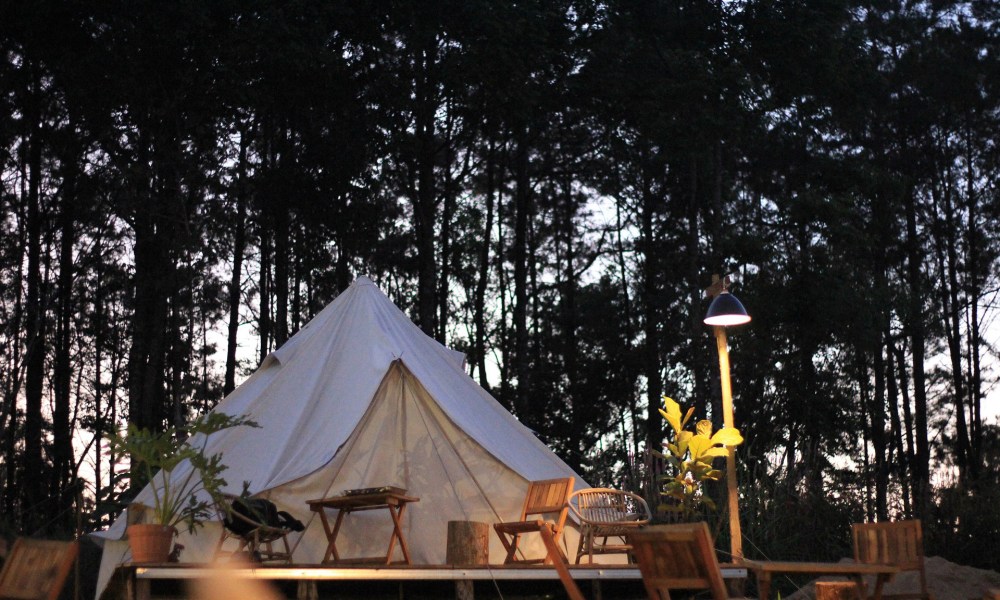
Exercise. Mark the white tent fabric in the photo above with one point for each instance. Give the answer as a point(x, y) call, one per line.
point(361, 397)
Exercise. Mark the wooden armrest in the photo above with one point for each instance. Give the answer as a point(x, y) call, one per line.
point(520, 526)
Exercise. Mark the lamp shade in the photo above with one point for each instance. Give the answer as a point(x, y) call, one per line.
point(726, 310)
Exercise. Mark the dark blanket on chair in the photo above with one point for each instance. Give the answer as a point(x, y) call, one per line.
point(262, 511)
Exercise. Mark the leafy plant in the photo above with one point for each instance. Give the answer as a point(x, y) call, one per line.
point(690, 454)
point(155, 455)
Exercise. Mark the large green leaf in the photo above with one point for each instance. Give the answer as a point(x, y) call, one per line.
point(683, 439)
point(727, 436)
point(715, 452)
point(687, 417)
point(698, 445)
point(671, 411)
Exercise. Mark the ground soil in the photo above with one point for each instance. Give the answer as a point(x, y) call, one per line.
point(945, 581)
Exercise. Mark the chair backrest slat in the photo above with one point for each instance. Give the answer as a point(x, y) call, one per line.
point(547, 496)
point(677, 556)
point(899, 543)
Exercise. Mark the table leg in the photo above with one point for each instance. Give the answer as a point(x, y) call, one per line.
point(859, 585)
point(326, 532)
point(397, 533)
point(763, 584)
point(880, 580)
point(332, 549)
point(135, 588)
point(402, 539)
point(331, 535)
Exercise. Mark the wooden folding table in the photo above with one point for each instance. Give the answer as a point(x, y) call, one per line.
point(394, 502)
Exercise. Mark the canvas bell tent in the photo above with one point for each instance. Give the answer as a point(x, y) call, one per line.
point(361, 397)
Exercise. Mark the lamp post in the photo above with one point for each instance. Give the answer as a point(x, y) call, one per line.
point(724, 311)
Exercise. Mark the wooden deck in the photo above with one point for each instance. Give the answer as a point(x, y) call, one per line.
point(147, 582)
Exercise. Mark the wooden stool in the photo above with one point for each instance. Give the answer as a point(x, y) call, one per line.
point(468, 545)
point(836, 590)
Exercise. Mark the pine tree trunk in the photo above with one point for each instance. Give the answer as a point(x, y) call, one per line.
point(952, 304)
point(282, 223)
point(479, 309)
point(896, 450)
point(649, 293)
point(973, 236)
point(921, 467)
point(503, 287)
point(236, 278)
point(447, 216)
point(696, 329)
point(632, 435)
point(97, 323)
point(522, 365)
point(147, 352)
point(35, 342)
point(425, 201)
point(879, 445)
point(280, 283)
point(909, 489)
point(264, 316)
point(62, 443)
point(569, 324)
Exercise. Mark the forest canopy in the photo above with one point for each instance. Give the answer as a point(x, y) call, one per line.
point(548, 186)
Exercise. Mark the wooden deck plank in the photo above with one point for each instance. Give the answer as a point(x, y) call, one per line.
point(405, 573)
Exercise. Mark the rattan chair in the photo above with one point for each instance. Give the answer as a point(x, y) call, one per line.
point(606, 517)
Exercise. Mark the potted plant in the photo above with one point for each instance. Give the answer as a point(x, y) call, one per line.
point(690, 454)
point(187, 501)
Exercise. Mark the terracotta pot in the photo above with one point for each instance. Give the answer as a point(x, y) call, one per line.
point(150, 543)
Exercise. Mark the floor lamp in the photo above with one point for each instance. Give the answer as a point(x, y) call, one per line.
point(725, 311)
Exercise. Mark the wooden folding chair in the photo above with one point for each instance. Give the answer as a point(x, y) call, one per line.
point(546, 498)
point(37, 569)
point(256, 539)
point(900, 544)
point(679, 557)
